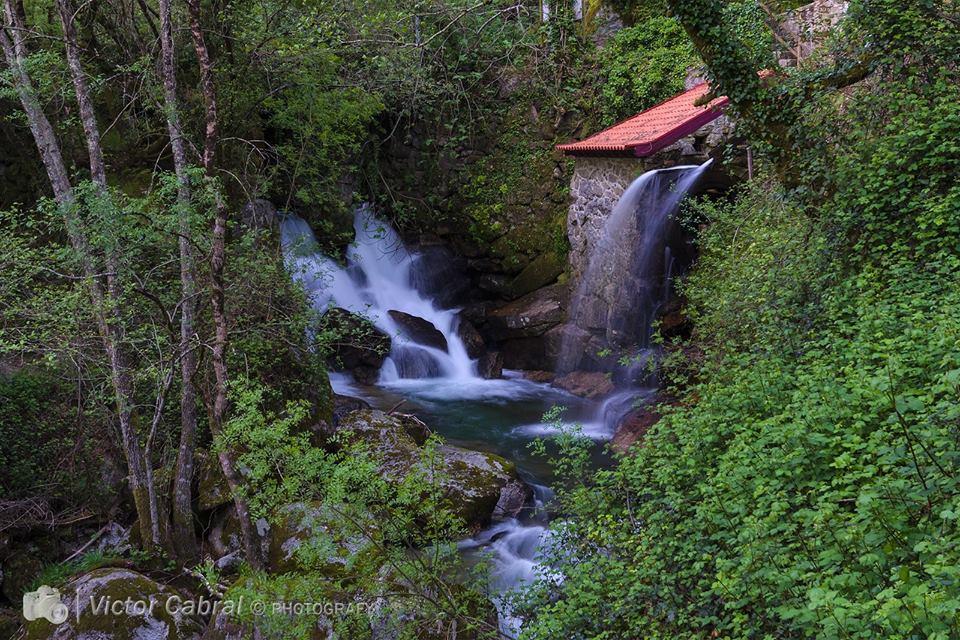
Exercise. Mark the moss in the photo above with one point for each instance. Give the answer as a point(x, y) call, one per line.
point(471, 479)
point(541, 271)
point(301, 540)
point(116, 585)
point(212, 487)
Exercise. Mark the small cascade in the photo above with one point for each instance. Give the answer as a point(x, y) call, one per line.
point(381, 276)
point(513, 547)
point(629, 269)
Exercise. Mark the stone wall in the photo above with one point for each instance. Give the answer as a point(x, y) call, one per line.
point(598, 183)
point(596, 186)
point(805, 27)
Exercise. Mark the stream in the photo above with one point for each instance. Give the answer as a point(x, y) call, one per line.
point(383, 281)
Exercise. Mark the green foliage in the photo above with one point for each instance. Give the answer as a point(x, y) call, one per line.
point(31, 440)
point(643, 65)
point(281, 465)
point(58, 574)
point(364, 536)
point(806, 486)
point(320, 125)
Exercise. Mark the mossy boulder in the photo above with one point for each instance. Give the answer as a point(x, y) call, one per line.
point(360, 348)
point(298, 539)
point(212, 489)
point(302, 540)
point(480, 486)
point(541, 271)
point(476, 484)
point(159, 618)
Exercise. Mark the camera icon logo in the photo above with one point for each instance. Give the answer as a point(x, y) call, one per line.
point(45, 603)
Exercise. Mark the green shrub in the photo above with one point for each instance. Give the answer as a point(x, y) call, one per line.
point(643, 65)
point(807, 486)
point(48, 448)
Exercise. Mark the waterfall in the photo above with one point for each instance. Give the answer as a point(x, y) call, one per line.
point(629, 268)
point(380, 276)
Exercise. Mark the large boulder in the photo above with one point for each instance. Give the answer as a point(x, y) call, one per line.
point(419, 330)
point(490, 365)
point(592, 385)
point(535, 352)
point(481, 486)
point(477, 484)
point(532, 315)
point(301, 540)
point(342, 405)
point(440, 274)
point(541, 271)
point(164, 620)
point(361, 348)
point(211, 489)
point(472, 340)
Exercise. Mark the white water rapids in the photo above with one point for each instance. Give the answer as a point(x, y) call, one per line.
point(380, 276)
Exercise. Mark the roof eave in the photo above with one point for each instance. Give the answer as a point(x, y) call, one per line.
point(686, 128)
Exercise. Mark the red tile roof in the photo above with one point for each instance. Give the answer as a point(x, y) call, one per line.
point(650, 131)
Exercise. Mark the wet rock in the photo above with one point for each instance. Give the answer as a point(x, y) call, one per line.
point(414, 427)
point(543, 270)
point(532, 315)
point(534, 375)
point(536, 352)
point(414, 361)
point(472, 481)
point(440, 274)
point(342, 405)
point(477, 312)
point(117, 585)
point(583, 350)
point(490, 365)
point(513, 498)
point(471, 338)
point(633, 427)
point(419, 330)
point(586, 384)
point(672, 320)
point(361, 348)
point(497, 284)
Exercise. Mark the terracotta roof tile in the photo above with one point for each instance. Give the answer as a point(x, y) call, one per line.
point(651, 130)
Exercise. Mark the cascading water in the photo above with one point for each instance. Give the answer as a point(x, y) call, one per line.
point(629, 268)
point(628, 276)
point(379, 278)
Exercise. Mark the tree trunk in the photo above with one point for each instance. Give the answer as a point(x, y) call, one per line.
point(182, 512)
point(14, 50)
point(251, 538)
point(88, 118)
